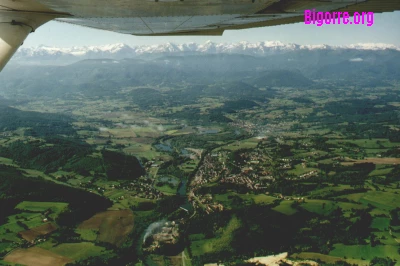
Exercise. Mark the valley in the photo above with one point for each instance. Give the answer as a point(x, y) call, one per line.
point(153, 164)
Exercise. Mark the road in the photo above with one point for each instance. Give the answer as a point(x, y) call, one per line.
point(183, 258)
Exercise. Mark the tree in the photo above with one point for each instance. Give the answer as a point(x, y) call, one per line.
point(382, 262)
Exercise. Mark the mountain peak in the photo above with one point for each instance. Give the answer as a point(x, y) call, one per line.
point(121, 50)
point(373, 46)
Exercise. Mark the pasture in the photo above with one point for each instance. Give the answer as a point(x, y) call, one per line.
point(78, 251)
point(380, 223)
point(365, 251)
point(285, 207)
point(392, 161)
point(248, 199)
point(243, 144)
point(218, 243)
point(385, 201)
point(54, 208)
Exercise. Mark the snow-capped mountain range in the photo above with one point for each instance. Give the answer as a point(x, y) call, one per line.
point(120, 51)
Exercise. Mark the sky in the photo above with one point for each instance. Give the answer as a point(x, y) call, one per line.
point(384, 30)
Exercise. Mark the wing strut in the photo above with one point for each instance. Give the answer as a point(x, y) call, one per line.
point(15, 26)
point(11, 38)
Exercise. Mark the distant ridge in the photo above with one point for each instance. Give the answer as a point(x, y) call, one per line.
point(120, 51)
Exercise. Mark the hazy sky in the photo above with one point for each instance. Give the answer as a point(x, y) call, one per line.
point(386, 29)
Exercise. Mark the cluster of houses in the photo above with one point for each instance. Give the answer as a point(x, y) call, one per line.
point(241, 179)
point(206, 203)
point(309, 174)
point(255, 174)
point(247, 126)
point(142, 188)
point(214, 169)
point(8, 134)
point(210, 170)
point(214, 207)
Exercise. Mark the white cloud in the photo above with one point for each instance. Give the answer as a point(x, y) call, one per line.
point(356, 60)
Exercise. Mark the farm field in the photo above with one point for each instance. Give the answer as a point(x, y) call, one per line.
point(392, 161)
point(113, 226)
point(31, 220)
point(77, 251)
point(382, 200)
point(54, 207)
point(36, 256)
point(327, 258)
point(248, 199)
point(33, 233)
point(365, 252)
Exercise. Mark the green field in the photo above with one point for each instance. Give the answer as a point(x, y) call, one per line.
point(7, 161)
point(248, 199)
point(386, 239)
point(30, 216)
point(218, 243)
point(87, 234)
point(170, 186)
point(245, 144)
point(365, 251)
point(323, 192)
point(299, 170)
point(48, 244)
point(385, 201)
point(322, 207)
point(78, 251)
point(28, 219)
point(17, 223)
point(381, 223)
point(200, 247)
point(367, 143)
point(55, 207)
point(6, 263)
point(285, 207)
point(7, 246)
point(381, 171)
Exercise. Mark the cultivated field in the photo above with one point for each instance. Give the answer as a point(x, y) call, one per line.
point(113, 226)
point(32, 234)
point(327, 258)
point(37, 257)
point(375, 161)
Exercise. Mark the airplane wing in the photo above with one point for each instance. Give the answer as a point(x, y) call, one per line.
point(18, 18)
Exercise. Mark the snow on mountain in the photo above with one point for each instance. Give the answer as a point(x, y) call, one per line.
point(373, 46)
point(112, 49)
point(121, 51)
